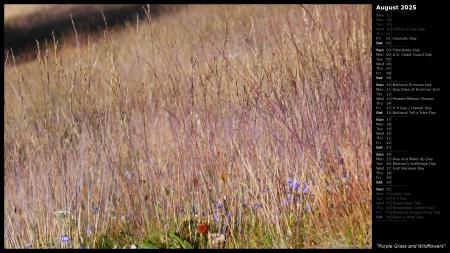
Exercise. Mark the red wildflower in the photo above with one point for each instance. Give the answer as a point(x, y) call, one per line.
point(203, 228)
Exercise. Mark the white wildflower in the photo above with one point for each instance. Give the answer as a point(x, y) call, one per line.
point(217, 238)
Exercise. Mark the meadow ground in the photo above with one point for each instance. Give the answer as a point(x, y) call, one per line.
point(254, 120)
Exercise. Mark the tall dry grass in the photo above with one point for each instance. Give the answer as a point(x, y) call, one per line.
point(256, 118)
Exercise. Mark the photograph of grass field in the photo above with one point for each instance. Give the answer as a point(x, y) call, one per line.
point(190, 126)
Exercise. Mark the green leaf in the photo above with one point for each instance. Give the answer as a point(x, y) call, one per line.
point(184, 244)
point(147, 245)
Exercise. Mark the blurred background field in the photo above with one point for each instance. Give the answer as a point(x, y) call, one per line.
point(26, 23)
point(253, 119)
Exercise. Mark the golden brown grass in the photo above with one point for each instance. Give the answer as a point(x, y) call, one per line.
point(168, 119)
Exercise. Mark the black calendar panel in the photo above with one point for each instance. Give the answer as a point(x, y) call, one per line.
point(409, 178)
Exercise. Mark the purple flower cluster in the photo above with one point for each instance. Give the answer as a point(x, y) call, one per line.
point(305, 188)
point(293, 183)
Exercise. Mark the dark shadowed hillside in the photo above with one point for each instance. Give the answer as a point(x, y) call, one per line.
point(38, 22)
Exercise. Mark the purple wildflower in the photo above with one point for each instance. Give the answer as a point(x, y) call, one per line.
point(308, 208)
point(65, 238)
point(28, 245)
point(305, 188)
point(229, 216)
point(296, 184)
point(216, 217)
point(89, 229)
point(293, 184)
point(346, 177)
point(219, 206)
